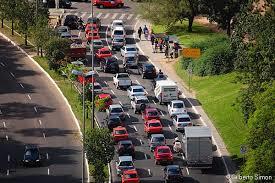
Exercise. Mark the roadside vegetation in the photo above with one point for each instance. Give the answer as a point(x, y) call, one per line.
point(234, 77)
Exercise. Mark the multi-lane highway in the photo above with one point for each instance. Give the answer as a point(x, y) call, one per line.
point(33, 112)
point(144, 160)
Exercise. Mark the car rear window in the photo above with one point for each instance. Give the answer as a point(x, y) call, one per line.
point(123, 76)
point(163, 150)
point(118, 40)
point(105, 52)
point(138, 90)
point(120, 132)
point(152, 113)
point(149, 67)
point(126, 163)
point(142, 102)
point(178, 105)
point(117, 110)
point(98, 43)
point(118, 32)
point(169, 89)
point(184, 119)
point(174, 171)
point(131, 49)
point(97, 87)
point(154, 124)
point(158, 139)
point(130, 176)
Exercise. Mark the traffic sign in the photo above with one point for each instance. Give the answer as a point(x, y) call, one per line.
point(191, 52)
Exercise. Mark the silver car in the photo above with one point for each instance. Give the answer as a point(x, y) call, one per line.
point(117, 43)
point(139, 103)
point(124, 163)
point(116, 109)
point(156, 140)
point(182, 120)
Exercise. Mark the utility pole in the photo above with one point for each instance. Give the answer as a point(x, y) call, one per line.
point(84, 125)
point(93, 79)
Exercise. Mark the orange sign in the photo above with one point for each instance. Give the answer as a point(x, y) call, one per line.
point(191, 52)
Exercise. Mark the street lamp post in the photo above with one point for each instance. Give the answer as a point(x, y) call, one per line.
point(92, 52)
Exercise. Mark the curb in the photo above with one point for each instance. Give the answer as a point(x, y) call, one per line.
point(228, 175)
point(58, 89)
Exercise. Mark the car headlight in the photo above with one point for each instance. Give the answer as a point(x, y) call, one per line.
point(26, 160)
point(37, 160)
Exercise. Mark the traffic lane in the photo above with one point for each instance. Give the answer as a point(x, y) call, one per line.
point(40, 111)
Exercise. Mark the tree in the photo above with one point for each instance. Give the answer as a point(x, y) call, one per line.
point(99, 147)
point(223, 11)
point(10, 12)
point(2, 12)
point(261, 135)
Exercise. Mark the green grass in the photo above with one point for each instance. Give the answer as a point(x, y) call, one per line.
point(217, 95)
point(200, 33)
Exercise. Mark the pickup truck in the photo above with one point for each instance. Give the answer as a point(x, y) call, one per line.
point(122, 80)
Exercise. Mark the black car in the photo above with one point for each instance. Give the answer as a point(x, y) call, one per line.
point(62, 4)
point(109, 64)
point(147, 70)
point(32, 156)
point(94, 20)
point(173, 173)
point(71, 21)
point(126, 147)
point(113, 121)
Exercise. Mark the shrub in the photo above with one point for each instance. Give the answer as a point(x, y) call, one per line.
point(100, 104)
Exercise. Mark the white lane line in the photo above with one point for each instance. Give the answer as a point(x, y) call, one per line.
point(135, 128)
point(29, 97)
point(90, 15)
point(149, 171)
point(140, 141)
point(138, 82)
point(130, 16)
point(187, 170)
point(122, 16)
point(120, 103)
point(154, 102)
point(83, 15)
point(170, 127)
point(8, 172)
point(21, 85)
point(44, 135)
point(2, 64)
point(106, 16)
point(106, 83)
point(145, 156)
point(48, 171)
point(12, 74)
point(1, 112)
point(35, 109)
point(40, 122)
point(112, 91)
point(4, 124)
point(96, 71)
point(99, 15)
point(9, 158)
point(116, 57)
point(128, 115)
point(7, 137)
point(146, 92)
point(114, 16)
point(161, 113)
point(47, 155)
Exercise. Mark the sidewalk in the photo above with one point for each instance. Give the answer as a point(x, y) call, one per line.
point(160, 62)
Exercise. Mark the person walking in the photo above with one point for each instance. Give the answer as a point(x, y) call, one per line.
point(166, 50)
point(160, 45)
point(156, 45)
point(139, 33)
point(145, 32)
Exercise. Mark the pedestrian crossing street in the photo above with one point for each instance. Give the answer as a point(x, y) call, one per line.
point(112, 16)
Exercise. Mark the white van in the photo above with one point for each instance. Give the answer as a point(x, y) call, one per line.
point(166, 91)
point(118, 32)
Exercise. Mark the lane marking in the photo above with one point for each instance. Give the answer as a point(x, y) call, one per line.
point(96, 71)
point(29, 97)
point(1, 112)
point(145, 156)
point(44, 135)
point(116, 57)
point(4, 124)
point(187, 170)
point(149, 171)
point(170, 127)
point(40, 122)
point(161, 113)
point(21, 85)
point(8, 171)
point(12, 74)
point(135, 128)
point(47, 155)
point(99, 15)
point(106, 16)
point(122, 16)
point(114, 16)
point(2, 64)
point(120, 103)
point(9, 158)
point(112, 91)
point(128, 115)
point(140, 141)
point(48, 171)
point(138, 82)
point(83, 15)
point(35, 109)
point(146, 92)
point(7, 137)
point(106, 83)
point(130, 16)
point(91, 15)
point(154, 102)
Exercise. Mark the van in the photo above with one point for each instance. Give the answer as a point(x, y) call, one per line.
point(118, 32)
point(166, 91)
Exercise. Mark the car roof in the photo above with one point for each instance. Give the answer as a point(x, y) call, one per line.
point(104, 49)
point(125, 158)
point(96, 83)
point(117, 21)
point(151, 109)
point(153, 121)
point(125, 142)
point(172, 166)
point(137, 86)
point(157, 135)
point(115, 106)
point(130, 46)
point(163, 147)
point(118, 28)
point(183, 116)
point(141, 98)
point(177, 101)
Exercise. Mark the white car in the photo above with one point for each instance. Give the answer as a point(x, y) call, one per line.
point(136, 90)
point(117, 23)
point(116, 109)
point(129, 49)
point(176, 107)
point(182, 120)
point(118, 32)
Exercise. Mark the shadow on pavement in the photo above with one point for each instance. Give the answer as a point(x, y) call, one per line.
point(40, 178)
point(50, 132)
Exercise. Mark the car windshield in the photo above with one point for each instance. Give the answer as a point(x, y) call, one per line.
point(118, 40)
point(184, 119)
point(138, 90)
point(97, 87)
point(32, 153)
point(123, 76)
point(105, 52)
point(126, 163)
point(120, 132)
point(152, 113)
point(131, 176)
point(178, 105)
point(149, 67)
point(142, 102)
point(118, 32)
point(98, 43)
point(63, 30)
point(115, 120)
point(131, 59)
point(174, 171)
point(117, 110)
point(154, 125)
point(118, 24)
point(158, 139)
point(131, 49)
point(163, 150)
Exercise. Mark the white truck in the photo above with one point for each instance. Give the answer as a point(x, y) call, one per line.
point(166, 91)
point(198, 147)
point(122, 80)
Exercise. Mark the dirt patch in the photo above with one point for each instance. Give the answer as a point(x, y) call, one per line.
point(213, 26)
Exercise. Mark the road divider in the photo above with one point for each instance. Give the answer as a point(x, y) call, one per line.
point(21, 85)
point(29, 97)
point(35, 109)
point(7, 137)
point(40, 122)
point(4, 124)
point(112, 91)
point(12, 74)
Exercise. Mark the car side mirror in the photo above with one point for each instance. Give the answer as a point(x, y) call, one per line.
point(214, 148)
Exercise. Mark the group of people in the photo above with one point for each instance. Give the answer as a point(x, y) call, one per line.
point(160, 43)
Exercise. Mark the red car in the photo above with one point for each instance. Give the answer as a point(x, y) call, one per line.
point(107, 101)
point(130, 176)
point(90, 36)
point(120, 133)
point(108, 3)
point(86, 80)
point(152, 126)
point(163, 154)
point(150, 113)
point(103, 53)
point(89, 27)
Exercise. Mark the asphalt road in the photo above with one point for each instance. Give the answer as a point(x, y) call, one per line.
point(33, 112)
point(144, 161)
